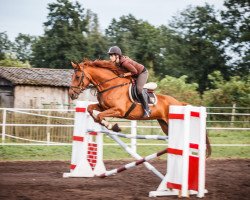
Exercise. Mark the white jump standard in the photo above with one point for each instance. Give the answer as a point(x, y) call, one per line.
point(186, 153)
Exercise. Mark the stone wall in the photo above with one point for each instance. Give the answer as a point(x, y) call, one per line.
point(39, 96)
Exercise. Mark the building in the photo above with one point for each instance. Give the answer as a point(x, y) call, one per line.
point(36, 88)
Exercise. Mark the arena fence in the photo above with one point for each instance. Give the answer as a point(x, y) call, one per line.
point(55, 126)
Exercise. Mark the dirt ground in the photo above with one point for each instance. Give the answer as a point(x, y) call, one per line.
point(225, 179)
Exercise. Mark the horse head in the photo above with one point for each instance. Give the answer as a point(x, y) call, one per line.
point(79, 80)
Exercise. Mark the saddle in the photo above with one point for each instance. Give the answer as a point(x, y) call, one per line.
point(148, 89)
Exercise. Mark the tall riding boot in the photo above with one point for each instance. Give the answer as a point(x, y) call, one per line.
point(144, 101)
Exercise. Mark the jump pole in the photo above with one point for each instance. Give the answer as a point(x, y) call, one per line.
point(133, 154)
point(145, 137)
point(133, 164)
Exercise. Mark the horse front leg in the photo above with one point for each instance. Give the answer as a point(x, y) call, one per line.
point(92, 108)
point(112, 112)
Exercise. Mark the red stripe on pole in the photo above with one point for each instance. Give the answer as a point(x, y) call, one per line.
point(92, 157)
point(194, 146)
point(92, 145)
point(92, 149)
point(174, 186)
point(78, 138)
point(195, 114)
point(92, 153)
point(175, 116)
point(92, 133)
point(80, 109)
point(193, 173)
point(92, 164)
point(72, 166)
point(175, 151)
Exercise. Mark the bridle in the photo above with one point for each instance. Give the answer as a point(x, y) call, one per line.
point(80, 89)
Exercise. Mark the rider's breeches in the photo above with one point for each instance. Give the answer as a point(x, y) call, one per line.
point(141, 81)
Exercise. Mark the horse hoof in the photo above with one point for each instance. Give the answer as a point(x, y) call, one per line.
point(116, 128)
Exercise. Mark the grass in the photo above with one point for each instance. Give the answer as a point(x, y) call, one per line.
point(35, 153)
point(13, 153)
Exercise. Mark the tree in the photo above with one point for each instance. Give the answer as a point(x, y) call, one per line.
point(22, 47)
point(8, 56)
point(236, 18)
point(5, 45)
point(194, 47)
point(97, 43)
point(64, 39)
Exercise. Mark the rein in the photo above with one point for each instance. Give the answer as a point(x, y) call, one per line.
point(123, 84)
point(107, 81)
point(101, 83)
point(97, 85)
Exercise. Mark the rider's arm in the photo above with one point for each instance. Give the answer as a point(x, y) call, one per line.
point(127, 74)
point(128, 65)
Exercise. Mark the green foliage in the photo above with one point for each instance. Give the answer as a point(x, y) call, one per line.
point(236, 90)
point(22, 47)
point(236, 18)
point(67, 37)
point(178, 88)
point(5, 45)
point(195, 48)
point(63, 40)
point(12, 62)
point(97, 43)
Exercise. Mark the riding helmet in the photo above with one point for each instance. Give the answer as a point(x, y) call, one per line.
point(115, 50)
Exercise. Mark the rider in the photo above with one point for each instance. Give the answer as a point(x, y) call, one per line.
point(136, 70)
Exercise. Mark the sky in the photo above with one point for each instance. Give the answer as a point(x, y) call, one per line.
point(28, 16)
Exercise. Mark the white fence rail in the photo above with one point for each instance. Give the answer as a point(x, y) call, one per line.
point(133, 125)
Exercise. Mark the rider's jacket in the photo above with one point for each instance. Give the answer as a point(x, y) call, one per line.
point(134, 67)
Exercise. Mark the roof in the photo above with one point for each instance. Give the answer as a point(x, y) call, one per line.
point(37, 76)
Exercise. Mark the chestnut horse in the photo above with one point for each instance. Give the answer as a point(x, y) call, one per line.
point(113, 95)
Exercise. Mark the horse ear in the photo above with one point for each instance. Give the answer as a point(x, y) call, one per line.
point(73, 65)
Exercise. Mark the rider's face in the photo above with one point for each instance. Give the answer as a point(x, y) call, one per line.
point(113, 57)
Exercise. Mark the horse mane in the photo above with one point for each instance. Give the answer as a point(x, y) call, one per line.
point(105, 64)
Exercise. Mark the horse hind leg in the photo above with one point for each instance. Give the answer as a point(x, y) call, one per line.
point(164, 125)
point(208, 145)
